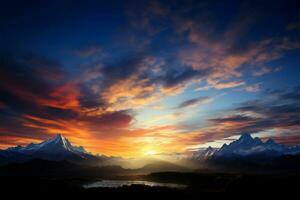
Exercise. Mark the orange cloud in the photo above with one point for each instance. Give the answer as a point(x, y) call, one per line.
point(65, 96)
point(129, 93)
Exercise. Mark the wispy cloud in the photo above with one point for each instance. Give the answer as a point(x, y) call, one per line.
point(194, 102)
point(252, 88)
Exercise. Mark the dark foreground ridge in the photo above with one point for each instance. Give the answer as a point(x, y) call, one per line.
point(200, 185)
point(38, 178)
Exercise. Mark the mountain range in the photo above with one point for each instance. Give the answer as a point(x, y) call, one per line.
point(242, 151)
point(247, 147)
point(56, 149)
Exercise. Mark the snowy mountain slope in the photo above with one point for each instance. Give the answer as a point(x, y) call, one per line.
point(56, 148)
point(247, 146)
point(204, 154)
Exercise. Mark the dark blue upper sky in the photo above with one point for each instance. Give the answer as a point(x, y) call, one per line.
point(168, 75)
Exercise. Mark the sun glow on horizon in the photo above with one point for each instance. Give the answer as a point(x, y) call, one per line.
point(150, 152)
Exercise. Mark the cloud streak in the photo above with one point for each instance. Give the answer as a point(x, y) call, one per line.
point(194, 102)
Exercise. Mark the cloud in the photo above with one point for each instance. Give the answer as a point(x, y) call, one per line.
point(98, 108)
point(35, 106)
point(24, 80)
point(203, 52)
point(225, 61)
point(262, 71)
point(223, 51)
point(220, 85)
point(128, 84)
point(279, 111)
point(288, 140)
point(193, 102)
point(252, 88)
point(135, 82)
point(173, 77)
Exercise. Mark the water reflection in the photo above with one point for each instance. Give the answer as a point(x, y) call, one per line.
point(121, 183)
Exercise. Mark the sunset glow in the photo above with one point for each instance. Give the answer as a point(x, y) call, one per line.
point(145, 78)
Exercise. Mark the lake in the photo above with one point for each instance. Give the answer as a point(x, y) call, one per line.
point(121, 183)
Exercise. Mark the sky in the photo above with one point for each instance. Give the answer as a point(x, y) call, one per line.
point(133, 78)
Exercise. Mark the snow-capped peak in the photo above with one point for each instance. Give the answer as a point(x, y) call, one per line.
point(55, 148)
point(204, 154)
point(59, 137)
point(57, 144)
point(209, 148)
point(61, 141)
point(246, 145)
point(245, 137)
